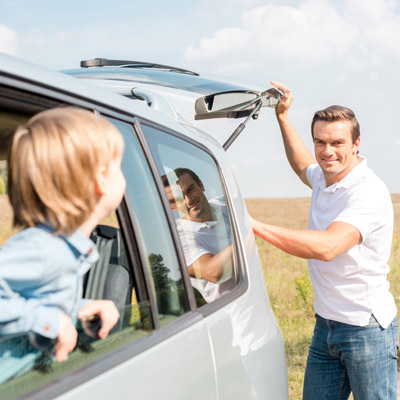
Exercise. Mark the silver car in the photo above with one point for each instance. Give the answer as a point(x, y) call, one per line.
point(179, 336)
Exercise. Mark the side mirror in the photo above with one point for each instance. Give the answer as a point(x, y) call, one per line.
point(234, 104)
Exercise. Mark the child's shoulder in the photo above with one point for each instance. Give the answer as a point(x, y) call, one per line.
point(29, 253)
point(31, 239)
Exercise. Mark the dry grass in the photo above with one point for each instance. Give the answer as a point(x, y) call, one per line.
point(289, 286)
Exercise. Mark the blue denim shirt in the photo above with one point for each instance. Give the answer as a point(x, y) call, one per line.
point(40, 277)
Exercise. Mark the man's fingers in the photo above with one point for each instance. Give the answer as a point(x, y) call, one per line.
point(283, 88)
point(285, 101)
point(280, 86)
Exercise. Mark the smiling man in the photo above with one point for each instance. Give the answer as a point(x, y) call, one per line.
point(206, 239)
point(348, 245)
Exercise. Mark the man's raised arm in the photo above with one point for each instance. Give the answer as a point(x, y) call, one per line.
point(297, 153)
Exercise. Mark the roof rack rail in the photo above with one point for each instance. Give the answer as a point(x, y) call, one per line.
point(104, 62)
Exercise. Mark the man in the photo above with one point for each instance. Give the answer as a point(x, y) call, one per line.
point(205, 235)
point(348, 244)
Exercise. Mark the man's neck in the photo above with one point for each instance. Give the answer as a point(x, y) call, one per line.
point(331, 179)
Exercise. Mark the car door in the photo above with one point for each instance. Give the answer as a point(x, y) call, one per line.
point(246, 342)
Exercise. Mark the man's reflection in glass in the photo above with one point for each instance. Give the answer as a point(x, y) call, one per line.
point(204, 230)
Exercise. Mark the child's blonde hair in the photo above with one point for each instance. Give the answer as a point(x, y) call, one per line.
point(52, 164)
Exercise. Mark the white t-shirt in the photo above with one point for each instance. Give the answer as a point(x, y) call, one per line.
point(211, 237)
point(353, 286)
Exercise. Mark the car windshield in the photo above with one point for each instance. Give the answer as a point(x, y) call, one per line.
point(169, 79)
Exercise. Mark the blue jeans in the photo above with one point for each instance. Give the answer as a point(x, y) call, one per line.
point(346, 358)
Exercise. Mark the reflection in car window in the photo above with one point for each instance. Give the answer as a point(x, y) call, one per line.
point(195, 194)
point(154, 232)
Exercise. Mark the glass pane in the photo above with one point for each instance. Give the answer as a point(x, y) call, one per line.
point(195, 193)
point(154, 232)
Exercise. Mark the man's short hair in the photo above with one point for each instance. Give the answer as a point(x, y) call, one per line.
point(180, 171)
point(52, 165)
point(337, 113)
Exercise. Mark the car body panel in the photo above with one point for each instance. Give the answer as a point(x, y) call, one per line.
point(158, 372)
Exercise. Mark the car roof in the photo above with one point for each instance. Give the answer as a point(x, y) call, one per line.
point(151, 74)
point(12, 67)
point(171, 90)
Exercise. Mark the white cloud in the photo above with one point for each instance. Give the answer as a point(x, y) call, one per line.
point(314, 33)
point(222, 8)
point(396, 143)
point(8, 40)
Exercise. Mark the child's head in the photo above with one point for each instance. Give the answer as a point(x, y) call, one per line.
point(52, 166)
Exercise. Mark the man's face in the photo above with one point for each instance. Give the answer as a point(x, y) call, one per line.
point(335, 151)
point(196, 202)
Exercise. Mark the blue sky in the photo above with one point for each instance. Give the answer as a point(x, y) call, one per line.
point(327, 51)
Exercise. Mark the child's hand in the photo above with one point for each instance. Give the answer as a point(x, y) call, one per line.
point(66, 339)
point(107, 312)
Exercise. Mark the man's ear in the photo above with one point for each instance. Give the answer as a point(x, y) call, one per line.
point(101, 181)
point(357, 145)
point(202, 186)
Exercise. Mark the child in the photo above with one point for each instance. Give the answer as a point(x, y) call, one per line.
point(64, 176)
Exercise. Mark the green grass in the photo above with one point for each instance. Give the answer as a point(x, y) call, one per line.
point(289, 286)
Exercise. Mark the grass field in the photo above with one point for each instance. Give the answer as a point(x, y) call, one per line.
point(289, 286)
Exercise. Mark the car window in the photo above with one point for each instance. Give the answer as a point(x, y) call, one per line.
point(198, 204)
point(153, 229)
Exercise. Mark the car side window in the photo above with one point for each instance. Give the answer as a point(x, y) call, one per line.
point(153, 229)
point(195, 193)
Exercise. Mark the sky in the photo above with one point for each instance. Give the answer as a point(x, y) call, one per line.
point(327, 52)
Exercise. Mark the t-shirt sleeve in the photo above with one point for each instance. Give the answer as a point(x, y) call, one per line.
point(312, 173)
point(191, 248)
